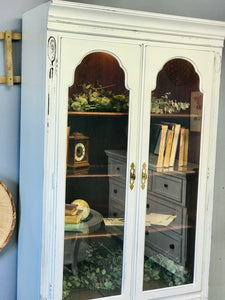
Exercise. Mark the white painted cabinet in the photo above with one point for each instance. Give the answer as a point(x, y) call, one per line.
point(119, 109)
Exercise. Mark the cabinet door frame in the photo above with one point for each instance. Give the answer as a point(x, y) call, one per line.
point(156, 55)
point(139, 114)
point(83, 46)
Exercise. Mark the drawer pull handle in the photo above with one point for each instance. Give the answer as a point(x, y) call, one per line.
point(165, 185)
point(172, 246)
point(118, 168)
point(132, 175)
point(114, 214)
point(147, 206)
point(115, 191)
point(144, 175)
point(146, 233)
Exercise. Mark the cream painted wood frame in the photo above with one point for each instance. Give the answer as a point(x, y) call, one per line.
point(153, 39)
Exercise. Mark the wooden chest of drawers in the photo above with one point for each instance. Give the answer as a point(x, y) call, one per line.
point(169, 192)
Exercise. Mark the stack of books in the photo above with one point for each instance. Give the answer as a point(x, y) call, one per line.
point(73, 215)
point(172, 142)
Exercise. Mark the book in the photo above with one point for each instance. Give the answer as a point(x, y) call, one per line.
point(186, 143)
point(196, 111)
point(81, 227)
point(155, 130)
point(71, 209)
point(156, 148)
point(74, 219)
point(174, 144)
point(113, 221)
point(164, 129)
point(181, 148)
point(168, 147)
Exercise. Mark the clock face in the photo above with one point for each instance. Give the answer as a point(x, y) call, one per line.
point(79, 152)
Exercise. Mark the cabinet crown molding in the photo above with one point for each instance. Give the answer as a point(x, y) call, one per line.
point(138, 23)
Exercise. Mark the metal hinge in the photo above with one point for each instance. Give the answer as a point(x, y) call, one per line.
point(48, 108)
point(50, 293)
point(208, 173)
point(50, 289)
point(53, 181)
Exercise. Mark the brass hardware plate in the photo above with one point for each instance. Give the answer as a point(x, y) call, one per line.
point(144, 175)
point(132, 175)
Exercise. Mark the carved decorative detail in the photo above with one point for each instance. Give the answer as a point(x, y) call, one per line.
point(51, 49)
point(51, 54)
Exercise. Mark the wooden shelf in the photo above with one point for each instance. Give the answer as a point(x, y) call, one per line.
point(174, 116)
point(171, 115)
point(115, 114)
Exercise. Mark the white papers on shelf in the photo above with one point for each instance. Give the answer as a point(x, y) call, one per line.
point(151, 219)
point(158, 219)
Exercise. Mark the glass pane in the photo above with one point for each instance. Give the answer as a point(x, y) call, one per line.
point(96, 176)
point(175, 133)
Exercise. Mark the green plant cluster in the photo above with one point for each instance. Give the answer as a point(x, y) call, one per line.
point(102, 270)
point(160, 267)
point(96, 98)
point(165, 105)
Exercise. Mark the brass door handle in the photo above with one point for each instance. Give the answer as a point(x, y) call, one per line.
point(144, 175)
point(132, 175)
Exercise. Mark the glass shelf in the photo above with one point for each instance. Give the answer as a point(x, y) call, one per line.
point(92, 172)
point(91, 113)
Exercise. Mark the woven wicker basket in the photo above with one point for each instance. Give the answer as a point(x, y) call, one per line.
point(7, 215)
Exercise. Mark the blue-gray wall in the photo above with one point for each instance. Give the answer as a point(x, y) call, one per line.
point(10, 18)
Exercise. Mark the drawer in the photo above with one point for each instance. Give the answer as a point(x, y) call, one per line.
point(116, 190)
point(150, 179)
point(116, 209)
point(117, 168)
point(169, 246)
point(167, 186)
point(157, 205)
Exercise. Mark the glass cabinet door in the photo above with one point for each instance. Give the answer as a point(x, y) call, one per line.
point(174, 86)
point(98, 230)
point(175, 132)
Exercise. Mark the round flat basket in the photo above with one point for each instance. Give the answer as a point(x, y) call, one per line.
point(7, 215)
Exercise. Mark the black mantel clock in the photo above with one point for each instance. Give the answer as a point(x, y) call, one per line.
point(78, 153)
